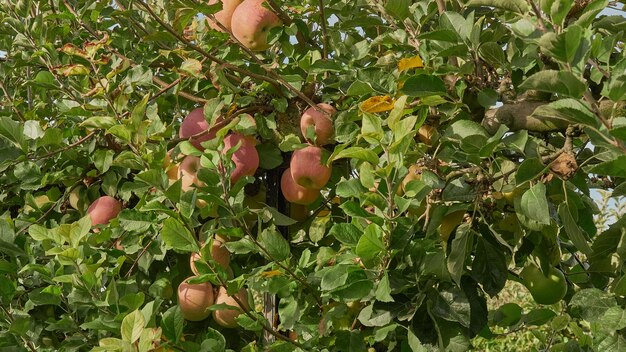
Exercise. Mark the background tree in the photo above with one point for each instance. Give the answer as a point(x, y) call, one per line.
point(466, 139)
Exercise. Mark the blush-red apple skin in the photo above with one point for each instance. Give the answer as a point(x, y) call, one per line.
point(103, 209)
point(294, 193)
point(246, 158)
point(224, 16)
point(322, 123)
point(193, 124)
point(252, 22)
point(307, 169)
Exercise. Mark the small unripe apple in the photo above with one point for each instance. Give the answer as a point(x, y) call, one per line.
point(294, 193)
point(545, 289)
point(219, 253)
point(251, 24)
point(225, 15)
point(246, 158)
point(307, 169)
point(227, 317)
point(415, 174)
point(194, 300)
point(322, 123)
point(449, 223)
point(103, 209)
point(194, 123)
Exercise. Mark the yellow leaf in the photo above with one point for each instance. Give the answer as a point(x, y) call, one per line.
point(272, 273)
point(409, 63)
point(379, 103)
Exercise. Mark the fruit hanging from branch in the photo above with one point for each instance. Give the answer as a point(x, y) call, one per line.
point(103, 209)
point(321, 123)
point(308, 169)
point(251, 23)
point(224, 16)
point(294, 193)
point(246, 157)
point(227, 317)
point(194, 300)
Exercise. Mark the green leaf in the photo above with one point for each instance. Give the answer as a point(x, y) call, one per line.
point(132, 326)
point(12, 131)
point(100, 122)
point(517, 6)
point(591, 303)
point(461, 246)
point(534, 204)
point(345, 233)
point(356, 153)
point(424, 85)
point(538, 316)
point(398, 8)
point(414, 343)
point(493, 53)
point(383, 290)
point(568, 110)
point(528, 170)
point(615, 167)
point(559, 82)
point(176, 236)
point(370, 244)
point(278, 218)
point(172, 323)
point(574, 232)
point(275, 244)
point(269, 156)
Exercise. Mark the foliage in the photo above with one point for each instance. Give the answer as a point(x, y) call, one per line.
point(526, 101)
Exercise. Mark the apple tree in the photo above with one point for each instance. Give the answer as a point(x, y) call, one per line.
point(325, 175)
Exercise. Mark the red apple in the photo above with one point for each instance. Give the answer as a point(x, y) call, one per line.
point(251, 23)
point(194, 300)
point(307, 169)
point(219, 253)
point(188, 173)
point(103, 209)
point(246, 158)
point(323, 123)
point(226, 317)
point(225, 15)
point(294, 193)
point(193, 124)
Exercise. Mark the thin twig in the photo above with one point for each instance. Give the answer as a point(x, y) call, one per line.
point(540, 23)
point(324, 33)
point(69, 146)
point(6, 94)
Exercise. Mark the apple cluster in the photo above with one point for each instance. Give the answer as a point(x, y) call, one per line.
point(248, 21)
point(195, 300)
point(307, 173)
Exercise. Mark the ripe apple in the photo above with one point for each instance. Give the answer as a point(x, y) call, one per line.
point(548, 289)
point(193, 124)
point(294, 193)
point(246, 158)
point(219, 253)
point(226, 317)
point(225, 15)
point(103, 209)
point(188, 173)
point(194, 300)
point(251, 23)
point(323, 123)
point(307, 169)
